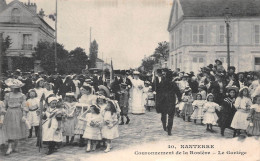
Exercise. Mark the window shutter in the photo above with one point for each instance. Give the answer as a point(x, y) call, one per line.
point(257, 34)
point(195, 34)
point(201, 34)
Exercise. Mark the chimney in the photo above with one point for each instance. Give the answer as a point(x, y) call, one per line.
point(32, 6)
point(2, 5)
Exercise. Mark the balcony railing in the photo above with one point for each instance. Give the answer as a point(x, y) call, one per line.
point(27, 47)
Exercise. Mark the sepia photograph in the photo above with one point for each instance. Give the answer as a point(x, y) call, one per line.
point(129, 80)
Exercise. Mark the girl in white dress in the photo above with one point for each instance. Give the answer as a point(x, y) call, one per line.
point(51, 134)
point(39, 88)
point(242, 104)
point(110, 127)
point(88, 98)
point(210, 116)
point(94, 123)
point(80, 125)
point(137, 95)
point(70, 119)
point(198, 108)
point(32, 105)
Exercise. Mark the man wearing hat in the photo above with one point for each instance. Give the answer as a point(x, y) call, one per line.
point(165, 101)
point(124, 79)
point(218, 67)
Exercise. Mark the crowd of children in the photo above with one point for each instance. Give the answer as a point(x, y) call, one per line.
point(237, 112)
point(94, 116)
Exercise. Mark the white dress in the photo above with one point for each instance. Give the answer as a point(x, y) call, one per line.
point(40, 92)
point(210, 116)
point(137, 97)
point(198, 112)
point(33, 105)
point(49, 128)
point(93, 132)
point(110, 127)
point(88, 99)
point(240, 118)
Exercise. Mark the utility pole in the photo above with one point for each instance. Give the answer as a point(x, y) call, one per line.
point(56, 21)
point(227, 21)
point(1, 57)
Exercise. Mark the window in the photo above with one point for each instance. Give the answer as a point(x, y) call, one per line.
point(221, 34)
point(257, 34)
point(201, 60)
point(257, 61)
point(15, 15)
point(198, 34)
point(180, 37)
point(194, 59)
point(27, 41)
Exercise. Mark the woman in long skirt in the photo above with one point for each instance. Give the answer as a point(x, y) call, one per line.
point(14, 121)
point(137, 95)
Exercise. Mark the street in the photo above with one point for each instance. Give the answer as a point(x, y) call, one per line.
point(143, 129)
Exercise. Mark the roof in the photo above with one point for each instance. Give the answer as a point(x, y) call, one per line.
point(217, 8)
point(22, 4)
point(99, 60)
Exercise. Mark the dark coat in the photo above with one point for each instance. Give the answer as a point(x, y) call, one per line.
point(227, 113)
point(166, 93)
point(57, 84)
point(67, 87)
point(214, 88)
point(127, 81)
point(194, 86)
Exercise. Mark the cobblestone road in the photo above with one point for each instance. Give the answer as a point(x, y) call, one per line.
point(142, 129)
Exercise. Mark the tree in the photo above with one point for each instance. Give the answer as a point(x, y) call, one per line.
point(78, 60)
point(148, 64)
point(93, 54)
point(45, 52)
point(162, 51)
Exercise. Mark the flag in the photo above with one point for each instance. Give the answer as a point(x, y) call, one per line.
point(111, 72)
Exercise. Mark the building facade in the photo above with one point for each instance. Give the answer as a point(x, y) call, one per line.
point(25, 27)
point(197, 33)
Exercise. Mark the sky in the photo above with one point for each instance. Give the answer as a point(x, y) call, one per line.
point(126, 30)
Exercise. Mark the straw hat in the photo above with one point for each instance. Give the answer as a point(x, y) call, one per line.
point(235, 88)
point(14, 83)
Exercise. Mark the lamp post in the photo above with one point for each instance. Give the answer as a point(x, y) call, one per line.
point(55, 50)
point(227, 21)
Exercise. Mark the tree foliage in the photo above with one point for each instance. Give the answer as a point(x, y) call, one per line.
point(78, 60)
point(161, 51)
point(67, 62)
point(93, 54)
point(45, 52)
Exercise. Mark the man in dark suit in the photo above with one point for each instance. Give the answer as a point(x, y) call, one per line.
point(166, 92)
point(124, 79)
